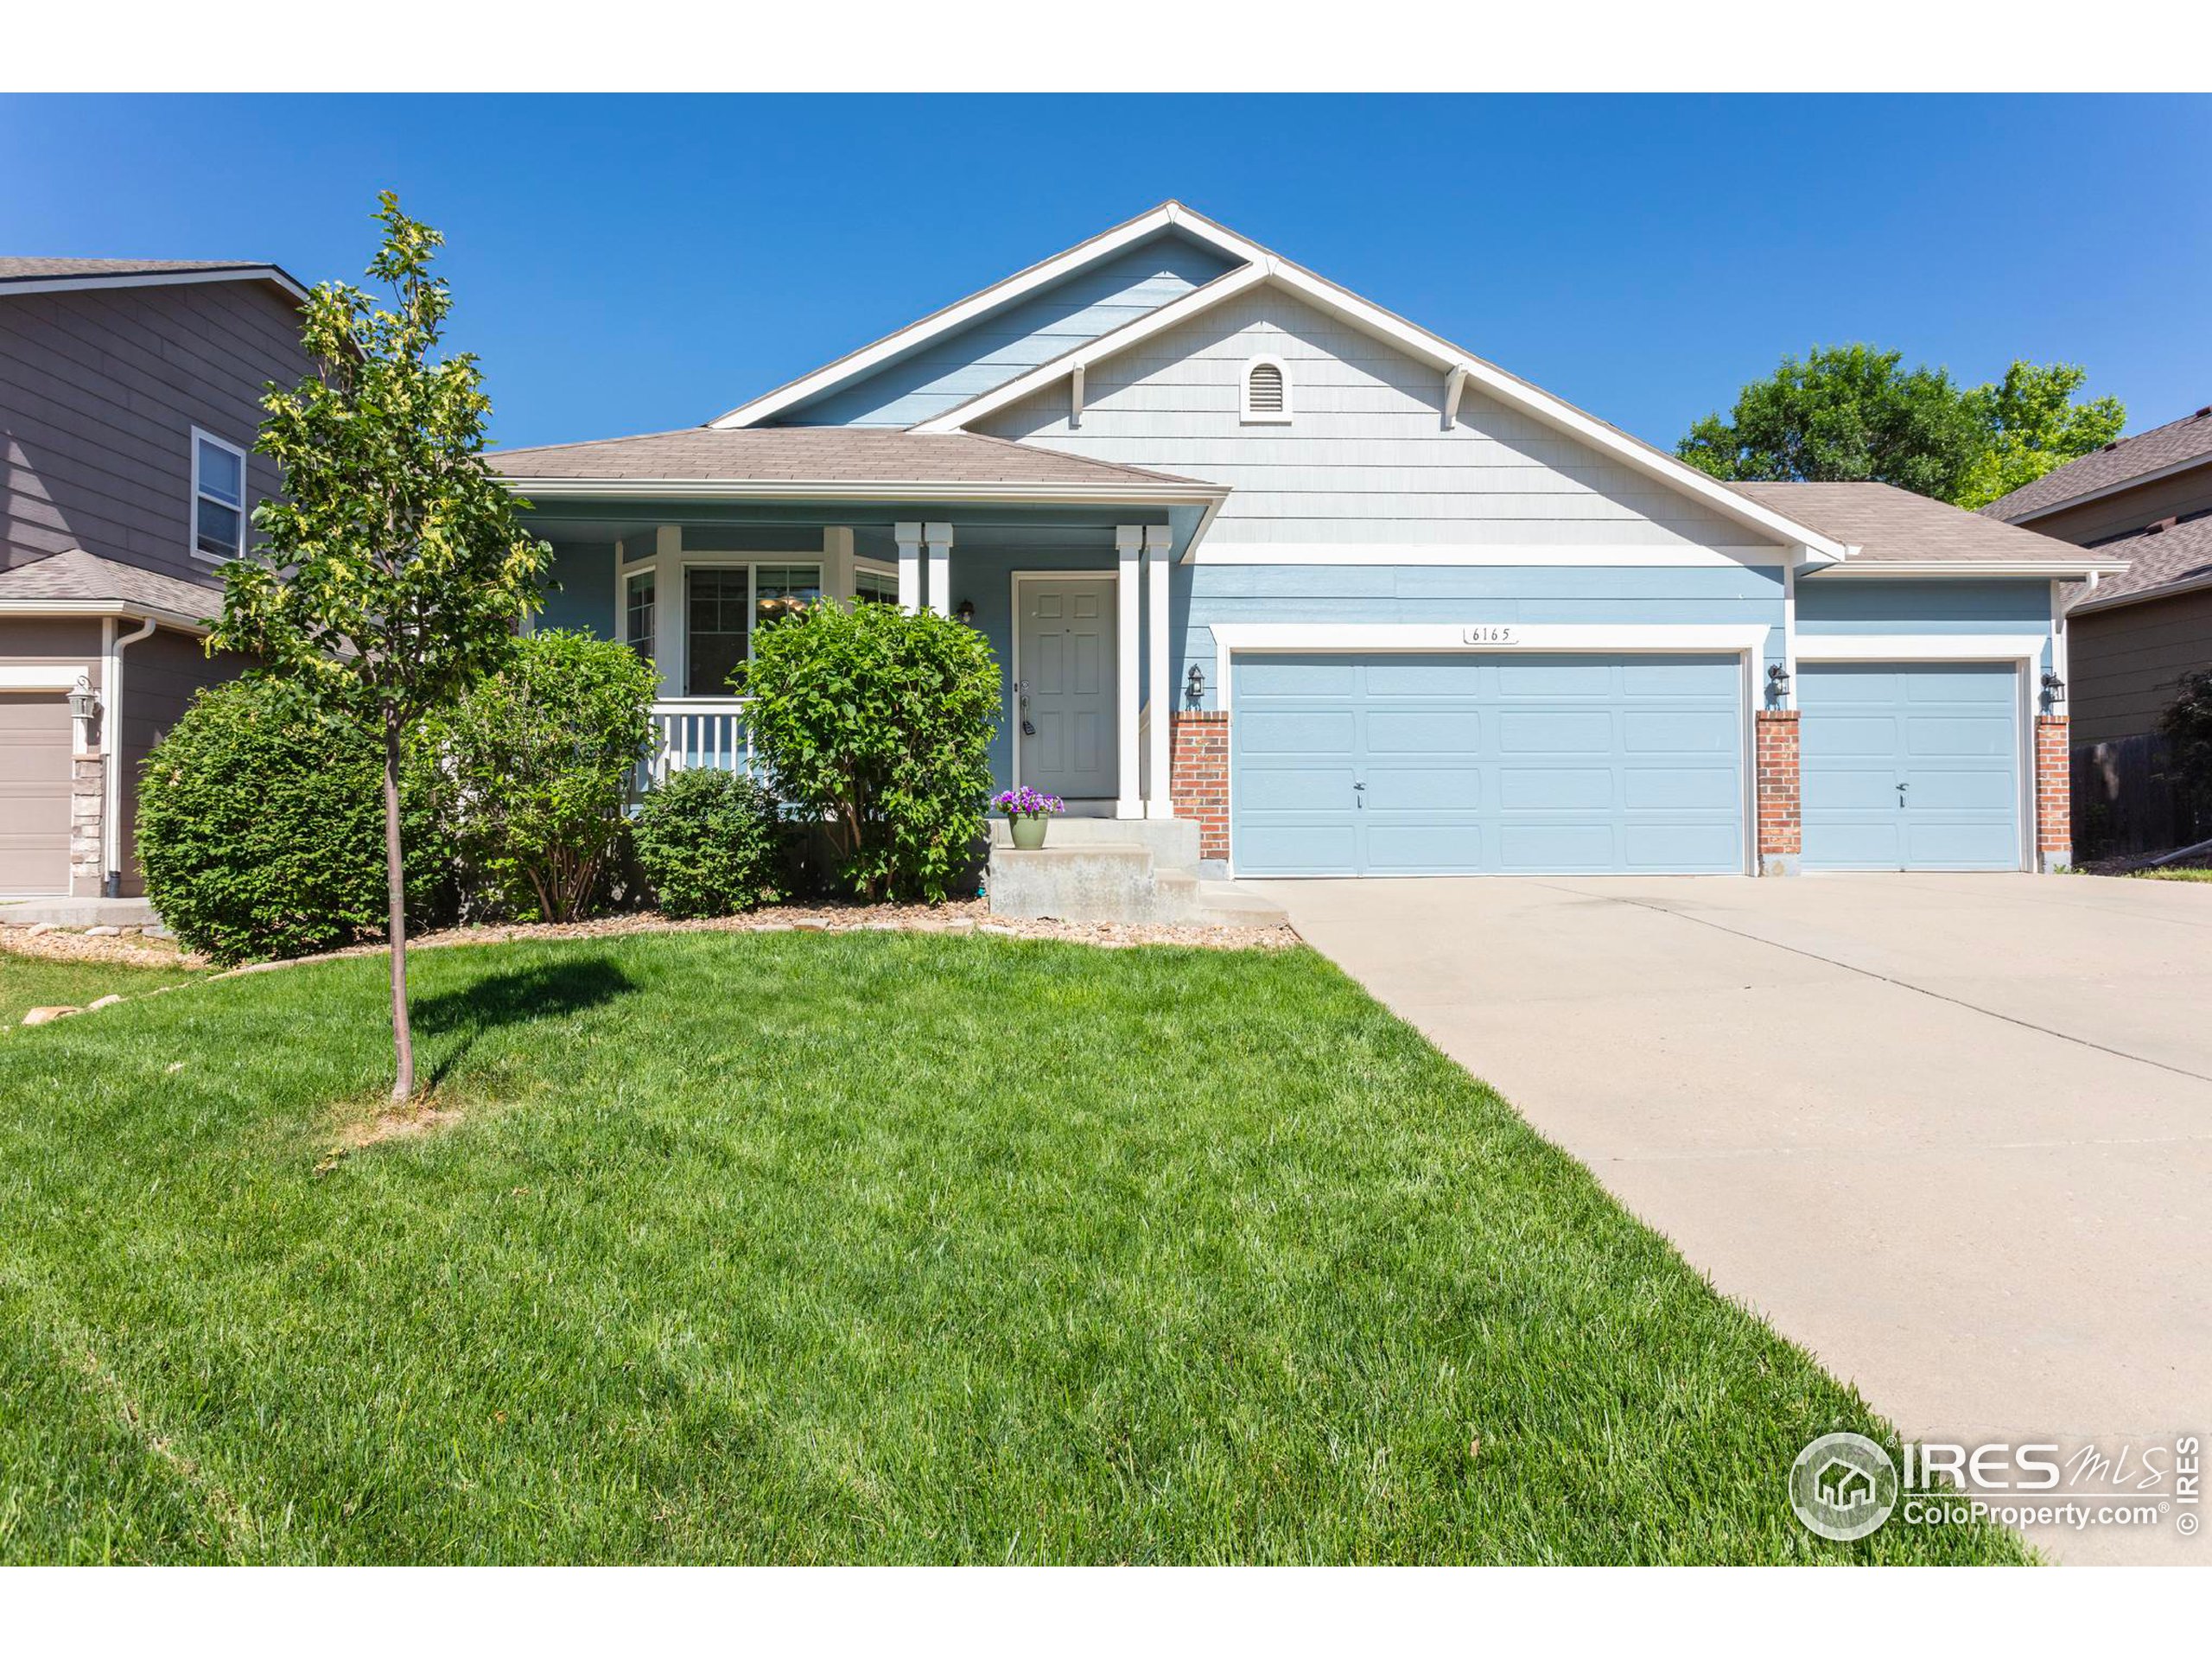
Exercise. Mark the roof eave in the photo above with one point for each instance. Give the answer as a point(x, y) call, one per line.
point(2055, 570)
point(98, 607)
point(2135, 481)
point(2093, 601)
point(1134, 494)
point(272, 274)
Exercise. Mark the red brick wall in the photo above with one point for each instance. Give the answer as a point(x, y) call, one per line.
point(1198, 775)
point(2054, 804)
point(1781, 829)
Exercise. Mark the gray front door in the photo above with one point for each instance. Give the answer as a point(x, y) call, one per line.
point(1064, 701)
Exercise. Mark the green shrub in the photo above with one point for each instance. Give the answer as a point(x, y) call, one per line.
point(261, 828)
point(536, 762)
point(2187, 726)
point(709, 843)
point(880, 721)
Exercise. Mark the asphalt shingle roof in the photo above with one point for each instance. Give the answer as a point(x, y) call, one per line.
point(817, 455)
point(2156, 559)
point(2170, 445)
point(17, 269)
point(1889, 523)
point(77, 574)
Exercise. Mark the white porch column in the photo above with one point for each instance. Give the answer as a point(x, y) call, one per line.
point(1128, 544)
point(836, 561)
point(1159, 801)
point(938, 539)
point(909, 537)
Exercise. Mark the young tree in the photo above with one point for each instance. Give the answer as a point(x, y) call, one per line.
point(1848, 413)
point(392, 573)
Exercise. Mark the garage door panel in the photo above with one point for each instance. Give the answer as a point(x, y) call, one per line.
point(34, 792)
point(1426, 731)
point(1421, 789)
point(1911, 765)
point(1553, 731)
point(1300, 732)
point(1552, 789)
point(1485, 763)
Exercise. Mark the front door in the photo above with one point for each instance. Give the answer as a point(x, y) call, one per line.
point(1064, 687)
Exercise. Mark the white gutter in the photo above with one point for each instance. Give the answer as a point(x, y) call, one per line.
point(2057, 569)
point(711, 490)
point(111, 752)
point(104, 607)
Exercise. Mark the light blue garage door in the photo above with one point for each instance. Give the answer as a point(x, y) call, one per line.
point(1910, 766)
point(1478, 765)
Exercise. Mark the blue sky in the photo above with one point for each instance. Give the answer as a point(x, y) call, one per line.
point(628, 264)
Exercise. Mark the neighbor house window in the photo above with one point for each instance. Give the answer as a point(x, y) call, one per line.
point(724, 604)
point(1266, 390)
point(875, 586)
point(638, 614)
point(217, 498)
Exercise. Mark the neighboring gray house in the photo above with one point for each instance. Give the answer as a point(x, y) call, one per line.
point(129, 396)
point(1259, 556)
point(2147, 499)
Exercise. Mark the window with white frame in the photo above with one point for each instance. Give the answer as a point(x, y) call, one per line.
point(638, 613)
point(1267, 390)
point(873, 585)
point(217, 498)
point(724, 605)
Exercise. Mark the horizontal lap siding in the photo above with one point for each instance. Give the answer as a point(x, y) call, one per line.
point(994, 349)
point(2126, 665)
point(98, 393)
point(1365, 456)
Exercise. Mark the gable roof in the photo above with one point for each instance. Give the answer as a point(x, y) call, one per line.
point(1897, 532)
point(2170, 448)
point(22, 274)
point(75, 580)
point(1169, 215)
point(2159, 562)
point(838, 460)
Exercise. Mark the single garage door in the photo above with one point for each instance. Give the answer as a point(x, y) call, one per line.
point(1478, 765)
point(1910, 766)
point(34, 792)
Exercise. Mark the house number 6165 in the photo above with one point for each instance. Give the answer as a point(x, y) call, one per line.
point(1490, 633)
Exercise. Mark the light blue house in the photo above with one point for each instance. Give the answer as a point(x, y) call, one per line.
point(1259, 556)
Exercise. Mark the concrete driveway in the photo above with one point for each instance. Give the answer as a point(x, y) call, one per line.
point(1952, 1133)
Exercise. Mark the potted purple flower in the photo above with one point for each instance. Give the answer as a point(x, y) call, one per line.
point(1027, 812)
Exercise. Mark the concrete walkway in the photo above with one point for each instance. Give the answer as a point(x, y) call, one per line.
point(1952, 1133)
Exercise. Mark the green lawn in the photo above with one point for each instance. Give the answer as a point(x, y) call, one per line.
point(2174, 876)
point(28, 982)
point(792, 1248)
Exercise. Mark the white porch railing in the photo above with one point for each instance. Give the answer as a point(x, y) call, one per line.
point(694, 732)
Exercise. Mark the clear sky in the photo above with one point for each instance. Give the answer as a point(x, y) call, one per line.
point(628, 264)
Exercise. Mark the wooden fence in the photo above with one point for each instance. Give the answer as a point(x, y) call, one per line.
point(2128, 799)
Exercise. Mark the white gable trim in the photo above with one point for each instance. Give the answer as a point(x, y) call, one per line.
point(853, 365)
point(153, 279)
point(1419, 344)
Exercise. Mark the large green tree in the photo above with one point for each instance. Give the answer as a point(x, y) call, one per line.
point(392, 573)
point(1851, 413)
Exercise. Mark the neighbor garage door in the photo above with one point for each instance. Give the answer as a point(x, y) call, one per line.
point(1477, 764)
point(1910, 766)
point(34, 792)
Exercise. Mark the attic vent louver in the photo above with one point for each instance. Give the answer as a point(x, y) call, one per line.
point(1267, 390)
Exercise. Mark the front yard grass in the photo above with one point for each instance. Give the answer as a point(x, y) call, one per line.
point(28, 982)
point(792, 1248)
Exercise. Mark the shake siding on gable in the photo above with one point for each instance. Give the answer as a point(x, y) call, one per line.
point(1366, 458)
point(99, 390)
point(994, 349)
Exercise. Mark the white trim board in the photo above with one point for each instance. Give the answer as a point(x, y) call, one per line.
point(98, 607)
point(44, 676)
point(1966, 569)
point(1919, 647)
point(1446, 554)
point(1136, 493)
point(854, 364)
point(155, 279)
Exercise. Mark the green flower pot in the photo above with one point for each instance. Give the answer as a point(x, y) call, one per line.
point(1029, 833)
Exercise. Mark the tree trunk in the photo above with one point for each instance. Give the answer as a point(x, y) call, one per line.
point(395, 873)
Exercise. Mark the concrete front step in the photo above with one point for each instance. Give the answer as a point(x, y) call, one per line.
point(1173, 842)
point(1102, 882)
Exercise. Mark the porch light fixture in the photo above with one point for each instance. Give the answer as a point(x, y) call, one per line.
point(1194, 686)
point(2053, 685)
point(966, 611)
point(84, 702)
point(1777, 679)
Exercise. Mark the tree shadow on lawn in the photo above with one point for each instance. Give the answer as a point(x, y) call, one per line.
point(519, 996)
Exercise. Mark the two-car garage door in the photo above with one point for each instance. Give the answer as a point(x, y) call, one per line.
point(1471, 764)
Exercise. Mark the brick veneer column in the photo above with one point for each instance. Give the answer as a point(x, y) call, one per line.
point(1198, 777)
point(2053, 794)
point(1781, 829)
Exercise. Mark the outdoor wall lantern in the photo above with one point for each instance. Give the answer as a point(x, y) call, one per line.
point(84, 702)
point(1777, 679)
point(2053, 685)
point(966, 611)
point(1194, 686)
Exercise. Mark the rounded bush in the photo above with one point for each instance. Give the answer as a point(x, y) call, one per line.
point(709, 843)
point(879, 721)
point(261, 828)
